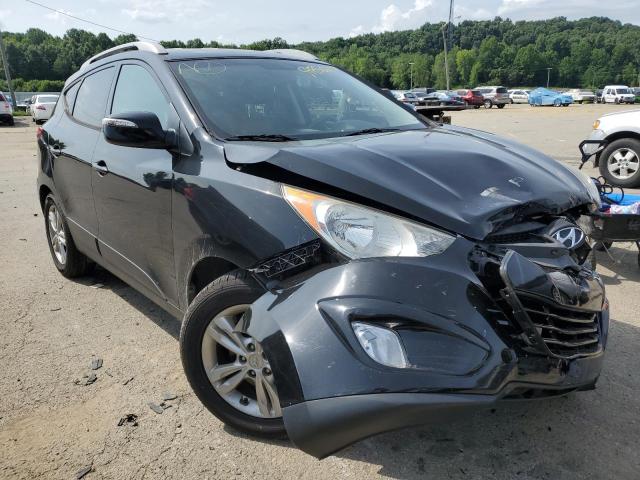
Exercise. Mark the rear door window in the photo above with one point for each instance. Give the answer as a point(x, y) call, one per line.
point(70, 96)
point(137, 91)
point(91, 100)
point(501, 90)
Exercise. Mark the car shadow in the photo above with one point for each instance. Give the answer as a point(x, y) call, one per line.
point(570, 437)
point(102, 278)
point(621, 264)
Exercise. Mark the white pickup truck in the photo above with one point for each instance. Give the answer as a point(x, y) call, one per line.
point(619, 161)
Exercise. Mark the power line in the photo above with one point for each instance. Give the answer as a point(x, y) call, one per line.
point(61, 12)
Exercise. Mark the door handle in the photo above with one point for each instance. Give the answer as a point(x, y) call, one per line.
point(101, 168)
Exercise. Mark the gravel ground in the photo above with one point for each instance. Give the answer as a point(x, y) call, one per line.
point(55, 423)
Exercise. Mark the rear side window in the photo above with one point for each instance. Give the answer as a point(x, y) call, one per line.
point(137, 91)
point(70, 96)
point(91, 100)
point(501, 90)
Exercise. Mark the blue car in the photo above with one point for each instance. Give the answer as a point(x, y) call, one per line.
point(544, 96)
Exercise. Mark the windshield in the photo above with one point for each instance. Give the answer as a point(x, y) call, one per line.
point(622, 91)
point(287, 98)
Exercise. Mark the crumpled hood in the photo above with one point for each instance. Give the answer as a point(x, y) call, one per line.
point(462, 180)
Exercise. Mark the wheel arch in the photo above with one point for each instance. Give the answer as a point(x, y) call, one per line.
point(203, 272)
point(43, 191)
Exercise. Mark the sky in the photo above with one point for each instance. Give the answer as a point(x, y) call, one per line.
point(244, 21)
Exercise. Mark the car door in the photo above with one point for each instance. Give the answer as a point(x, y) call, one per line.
point(71, 141)
point(132, 191)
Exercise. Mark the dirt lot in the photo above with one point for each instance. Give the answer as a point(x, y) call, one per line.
point(52, 425)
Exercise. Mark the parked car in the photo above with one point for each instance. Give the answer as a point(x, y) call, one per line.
point(582, 96)
point(543, 96)
point(619, 161)
point(472, 98)
point(443, 99)
point(6, 110)
point(410, 98)
point(518, 96)
point(317, 245)
point(32, 100)
point(599, 93)
point(42, 107)
point(636, 92)
point(618, 94)
point(424, 90)
point(497, 96)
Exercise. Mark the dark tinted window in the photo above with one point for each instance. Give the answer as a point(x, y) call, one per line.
point(137, 91)
point(91, 100)
point(475, 92)
point(501, 90)
point(2, 98)
point(70, 96)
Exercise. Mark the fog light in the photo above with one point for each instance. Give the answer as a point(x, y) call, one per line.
point(381, 344)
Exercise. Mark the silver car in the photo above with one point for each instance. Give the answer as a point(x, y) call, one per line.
point(494, 95)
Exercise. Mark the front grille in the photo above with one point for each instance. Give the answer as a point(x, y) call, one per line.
point(566, 332)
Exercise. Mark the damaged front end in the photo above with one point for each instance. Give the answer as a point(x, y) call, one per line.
point(478, 323)
point(437, 293)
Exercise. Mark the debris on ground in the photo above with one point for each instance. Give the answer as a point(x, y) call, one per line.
point(57, 309)
point(131, 418)
point(155, 407)
point(96, 363)
point(127, 380)
point(83, 471)
point(169, 396)
point(97, 285)
point(22, 239)
point(86, 380)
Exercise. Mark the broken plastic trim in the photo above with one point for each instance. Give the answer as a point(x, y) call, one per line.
point(289, 260)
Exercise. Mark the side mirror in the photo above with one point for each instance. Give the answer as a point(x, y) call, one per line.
point(137, 129)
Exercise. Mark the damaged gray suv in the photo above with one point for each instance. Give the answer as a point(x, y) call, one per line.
point(342, 265)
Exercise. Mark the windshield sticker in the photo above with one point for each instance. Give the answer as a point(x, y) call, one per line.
point(315, 70)
point(202, 68)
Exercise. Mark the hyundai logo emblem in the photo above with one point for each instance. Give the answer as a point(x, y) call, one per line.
point(570, 237)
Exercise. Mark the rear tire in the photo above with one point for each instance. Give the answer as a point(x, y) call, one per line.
point(232, 291)
point(69, 261)
point(501, 105)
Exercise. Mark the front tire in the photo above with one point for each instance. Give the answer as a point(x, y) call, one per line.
point(501, 105)
point(225, 366)
point(69, 261)
point(488, 104)
point(620, 162)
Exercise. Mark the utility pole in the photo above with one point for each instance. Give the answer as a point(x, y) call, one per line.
point(548, 73)
point(6, 71)
point(411, 74)
point(446, 61)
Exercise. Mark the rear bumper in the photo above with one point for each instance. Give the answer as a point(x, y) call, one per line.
point(465, 351)
point(5, 117)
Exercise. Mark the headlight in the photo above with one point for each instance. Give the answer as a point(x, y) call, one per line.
point(591, 188)
point(381, 344)
point(596, 124)
point(362, 232)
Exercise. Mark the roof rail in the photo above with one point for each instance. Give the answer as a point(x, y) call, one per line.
point(152, 47)
point(292, 52)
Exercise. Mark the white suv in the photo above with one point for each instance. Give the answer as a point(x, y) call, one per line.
point(618, 94)
point(6, 110)
point(619, 162)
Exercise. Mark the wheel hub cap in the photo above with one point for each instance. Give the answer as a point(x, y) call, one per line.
point(57, 235)
point(623, 163)
point(237, 366)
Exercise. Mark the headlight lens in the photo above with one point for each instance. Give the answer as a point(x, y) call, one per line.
point(591, 188)
point(596, 124)
point(362, 232)
point(381, 344)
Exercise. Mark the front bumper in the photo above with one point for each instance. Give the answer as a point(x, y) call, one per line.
point(466, 349)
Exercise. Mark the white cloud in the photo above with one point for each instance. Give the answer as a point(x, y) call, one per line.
point(393, 18)
point(59, 16)
point(157, 11)
point(466, 13)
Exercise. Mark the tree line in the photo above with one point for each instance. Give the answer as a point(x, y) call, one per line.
point(588, 53)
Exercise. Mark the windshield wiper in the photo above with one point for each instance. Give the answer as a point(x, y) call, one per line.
point(261, 138)
point(365, 131)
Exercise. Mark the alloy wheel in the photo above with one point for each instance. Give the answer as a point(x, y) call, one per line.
point(623, 163)
point(237, 367)
point(57, 235)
